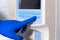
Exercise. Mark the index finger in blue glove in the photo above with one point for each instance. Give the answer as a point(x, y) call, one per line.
point(25, 22)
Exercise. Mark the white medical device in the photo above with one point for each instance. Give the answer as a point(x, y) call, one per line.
point(45, 16)
point(26, 9)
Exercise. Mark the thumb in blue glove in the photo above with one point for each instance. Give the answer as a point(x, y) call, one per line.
point(8, 27)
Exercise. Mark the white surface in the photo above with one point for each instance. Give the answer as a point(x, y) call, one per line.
point(4, 38)
point(44, 32)
point(4, 8)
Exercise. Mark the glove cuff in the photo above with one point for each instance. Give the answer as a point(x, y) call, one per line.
point(10, 36)
point(4, 38)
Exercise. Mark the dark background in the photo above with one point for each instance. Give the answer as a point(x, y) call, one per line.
point(30, 4)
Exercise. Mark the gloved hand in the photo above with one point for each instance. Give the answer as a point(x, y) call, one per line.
point(8, 27)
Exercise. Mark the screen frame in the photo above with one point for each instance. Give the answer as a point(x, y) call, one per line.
point(42, 8)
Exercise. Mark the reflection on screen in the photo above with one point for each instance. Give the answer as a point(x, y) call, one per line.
point(29, 4)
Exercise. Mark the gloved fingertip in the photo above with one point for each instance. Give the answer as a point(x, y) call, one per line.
point(28, 21)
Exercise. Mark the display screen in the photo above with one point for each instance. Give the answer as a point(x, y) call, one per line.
point(29, 4)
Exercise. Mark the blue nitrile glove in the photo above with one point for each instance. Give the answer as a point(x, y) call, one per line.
point(8, 27)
